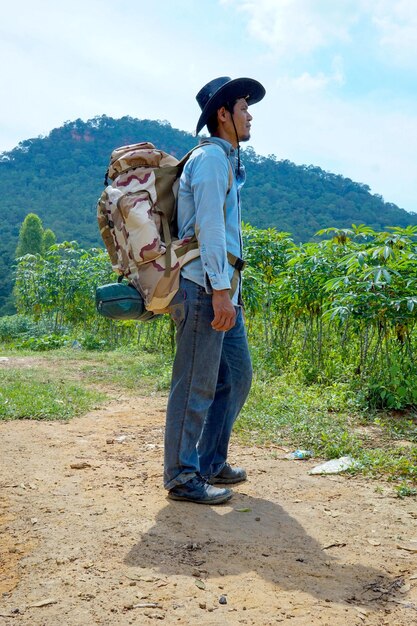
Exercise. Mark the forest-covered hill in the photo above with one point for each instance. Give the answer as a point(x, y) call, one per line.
point(59, 177)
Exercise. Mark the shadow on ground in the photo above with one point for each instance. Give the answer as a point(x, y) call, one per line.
point(264, 539)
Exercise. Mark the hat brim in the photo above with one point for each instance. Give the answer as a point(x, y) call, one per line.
point(247, 88)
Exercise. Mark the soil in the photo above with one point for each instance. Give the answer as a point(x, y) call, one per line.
point(88, 536)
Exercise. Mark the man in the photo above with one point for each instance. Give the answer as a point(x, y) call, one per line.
point(212, 370)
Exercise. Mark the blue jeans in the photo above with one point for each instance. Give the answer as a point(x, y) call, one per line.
point(211, 378)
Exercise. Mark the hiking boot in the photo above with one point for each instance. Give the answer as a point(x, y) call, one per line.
point(229, 475)
point(200, 491)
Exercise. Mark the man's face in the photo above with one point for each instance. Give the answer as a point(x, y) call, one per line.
point(242, 119)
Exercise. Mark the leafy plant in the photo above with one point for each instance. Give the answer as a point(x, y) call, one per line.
point(405, 491)
point(47, 342)
point(15, 326)
point(338, 311)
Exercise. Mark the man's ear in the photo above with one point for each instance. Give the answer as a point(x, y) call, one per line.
point(223, 114)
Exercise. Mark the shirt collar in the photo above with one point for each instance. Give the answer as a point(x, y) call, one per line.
point(226, 145)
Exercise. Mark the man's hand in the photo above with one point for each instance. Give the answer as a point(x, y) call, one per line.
point(224, 311)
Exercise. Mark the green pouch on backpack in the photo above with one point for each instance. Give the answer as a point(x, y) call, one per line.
point(121, 301)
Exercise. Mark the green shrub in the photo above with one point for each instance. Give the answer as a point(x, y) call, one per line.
point(46, 342)
point(15, 326)
point(92, 341)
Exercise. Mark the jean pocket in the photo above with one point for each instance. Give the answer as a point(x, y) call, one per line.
point(177, 312)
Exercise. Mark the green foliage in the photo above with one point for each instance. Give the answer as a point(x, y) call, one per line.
point(49, 239)
point(41, 344)
point(280, 411)
point(92, 341)
point(57, 290)
point(340, 310)
point(266, 253)
point(302, 199)
point(16, 326)
point(30, 236)
point(398, 464)
point(404, 491)
point(59, 286)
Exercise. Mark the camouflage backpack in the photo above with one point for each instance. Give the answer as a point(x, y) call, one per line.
point(137, 219)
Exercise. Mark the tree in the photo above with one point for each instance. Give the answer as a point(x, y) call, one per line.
point(31, 236)
point(49, 239)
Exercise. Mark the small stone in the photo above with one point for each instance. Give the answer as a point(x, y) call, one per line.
point(202, 605)
point(222, 600)
point(155, 615)
point(80, 465)
point(257, 519)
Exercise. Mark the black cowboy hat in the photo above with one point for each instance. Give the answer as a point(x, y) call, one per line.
point(224, 90)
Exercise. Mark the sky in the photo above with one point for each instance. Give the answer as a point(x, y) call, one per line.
point(340, 75)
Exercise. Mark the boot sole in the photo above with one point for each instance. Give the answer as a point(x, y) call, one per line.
point(227, 481)
point(218, 500)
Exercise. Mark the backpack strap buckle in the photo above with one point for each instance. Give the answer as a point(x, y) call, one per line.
point(236, 262)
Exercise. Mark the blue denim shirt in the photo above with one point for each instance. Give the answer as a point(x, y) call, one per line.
point(201, 196)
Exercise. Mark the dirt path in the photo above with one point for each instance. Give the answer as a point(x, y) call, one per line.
point(103, 545)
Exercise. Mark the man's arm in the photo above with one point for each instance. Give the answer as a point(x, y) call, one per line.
point(209, 185)
point(209, 180)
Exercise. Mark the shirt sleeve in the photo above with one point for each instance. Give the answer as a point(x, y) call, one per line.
point(209, 185)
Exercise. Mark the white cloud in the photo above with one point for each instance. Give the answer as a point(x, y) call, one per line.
point(297, 27)
point(307, 82)
point(395, 22)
